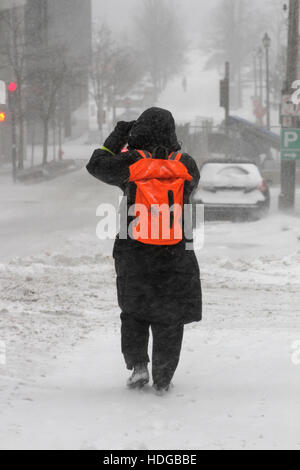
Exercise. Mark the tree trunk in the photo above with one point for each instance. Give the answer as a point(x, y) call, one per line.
point(21, 129)
point(100, 121)
point(32, 143)
point(54, 141)
point(14, 146)
point(114, 114)
point(60, 152)
point(21, 143)
point(240, 86)
point(45, 142)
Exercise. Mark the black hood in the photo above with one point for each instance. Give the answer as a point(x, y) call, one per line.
point(154, 128)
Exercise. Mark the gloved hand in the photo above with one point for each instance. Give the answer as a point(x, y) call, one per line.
point(124, 128)
point(119, 137)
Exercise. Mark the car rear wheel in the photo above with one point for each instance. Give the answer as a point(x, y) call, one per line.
point(258, 214)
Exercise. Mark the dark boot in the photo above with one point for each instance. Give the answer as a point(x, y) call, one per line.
point(139, 378)
point(161, 391)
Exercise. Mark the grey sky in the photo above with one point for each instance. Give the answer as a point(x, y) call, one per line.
point(118, 13)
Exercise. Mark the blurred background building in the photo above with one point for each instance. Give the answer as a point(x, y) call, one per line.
point(27, 29)
point(65, 26)
point(6, 72)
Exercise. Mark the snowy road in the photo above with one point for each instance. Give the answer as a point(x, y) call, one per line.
point(238, 384)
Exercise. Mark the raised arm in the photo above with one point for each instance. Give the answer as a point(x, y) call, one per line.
point(108, 164)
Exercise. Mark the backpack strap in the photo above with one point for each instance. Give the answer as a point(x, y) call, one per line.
point(145, 154)
point(175, 156)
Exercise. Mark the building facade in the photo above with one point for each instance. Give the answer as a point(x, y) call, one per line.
point(65, 26)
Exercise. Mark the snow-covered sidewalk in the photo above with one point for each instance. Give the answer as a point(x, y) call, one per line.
point(235, 389)
point(63, 385)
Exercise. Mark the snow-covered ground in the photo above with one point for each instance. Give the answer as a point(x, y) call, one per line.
point(238, 384)
point(62, 386)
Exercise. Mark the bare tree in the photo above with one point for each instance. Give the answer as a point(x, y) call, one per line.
point(278, 33)
point(100, 68)
point(236, 31)
point(161, 41)
point(233, 33)
point(114, 71)
point(47, 78)
point(126, 72)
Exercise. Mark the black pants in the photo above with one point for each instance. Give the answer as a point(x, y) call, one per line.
point(167, 343)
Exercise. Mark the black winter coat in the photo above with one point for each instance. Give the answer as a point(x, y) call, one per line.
point(155, 283)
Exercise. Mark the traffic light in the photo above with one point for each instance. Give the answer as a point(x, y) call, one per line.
point(12, 95)
point(12, 87)
point(224, 93)
point(2, 116)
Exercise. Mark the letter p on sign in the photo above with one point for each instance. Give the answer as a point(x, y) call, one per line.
point(290, 138)
point(290, 144)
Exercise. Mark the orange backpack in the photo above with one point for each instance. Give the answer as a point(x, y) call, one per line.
point(159, 199)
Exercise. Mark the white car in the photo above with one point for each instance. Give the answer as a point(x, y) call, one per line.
point(232, 189)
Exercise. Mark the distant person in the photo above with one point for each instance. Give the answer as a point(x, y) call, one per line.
point(184, 84)
point(60, 154)
point(158, 281)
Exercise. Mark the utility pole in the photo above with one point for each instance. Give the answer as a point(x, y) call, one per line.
point(260, 80)
point(267, 44)
point(227, 78)
point(12, 106)
point(288, 167)
point(260, 57)
point(268, 90)
point(255, 72)
point(225, 94)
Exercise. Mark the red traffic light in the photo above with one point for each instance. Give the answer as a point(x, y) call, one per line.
point(12, 87)
point(2, 116)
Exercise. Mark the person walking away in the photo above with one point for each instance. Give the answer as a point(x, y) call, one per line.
point(158, 279)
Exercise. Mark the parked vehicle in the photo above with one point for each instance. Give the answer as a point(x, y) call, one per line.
point(232, 190)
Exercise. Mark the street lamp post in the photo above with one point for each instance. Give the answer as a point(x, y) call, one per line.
point(255, 72)
point(287, 196)
point(11, 90)
point(267, 45)
point(260, 58)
